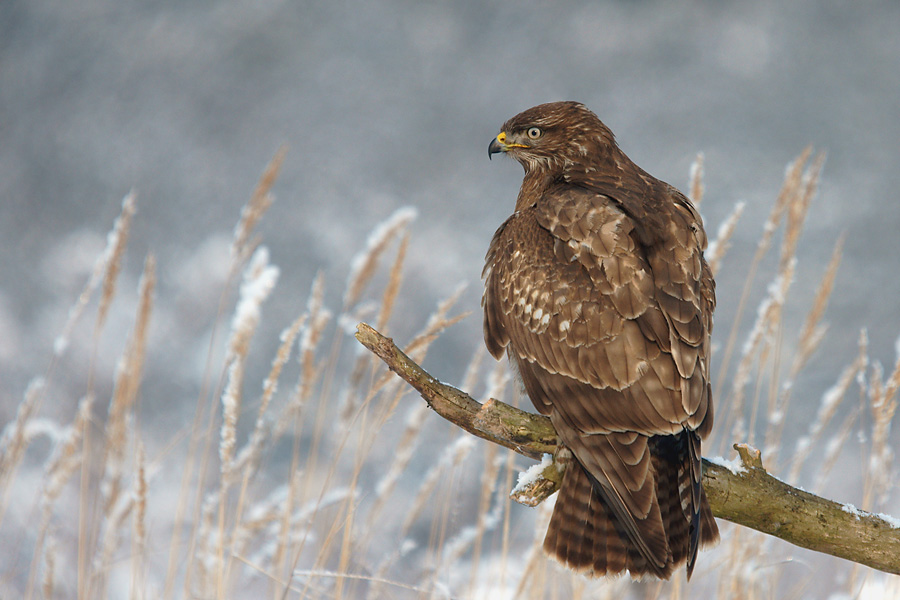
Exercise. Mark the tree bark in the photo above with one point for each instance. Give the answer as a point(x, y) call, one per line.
point(742, 493)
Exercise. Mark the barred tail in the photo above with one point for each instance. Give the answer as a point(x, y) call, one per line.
point(586, 536)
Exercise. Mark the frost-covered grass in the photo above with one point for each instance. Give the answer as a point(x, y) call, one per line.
point(327, 478)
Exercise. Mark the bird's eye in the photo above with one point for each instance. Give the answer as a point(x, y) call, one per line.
point(534, 133)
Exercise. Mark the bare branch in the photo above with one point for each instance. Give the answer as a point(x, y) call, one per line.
point(528, 434)
point(743, 493)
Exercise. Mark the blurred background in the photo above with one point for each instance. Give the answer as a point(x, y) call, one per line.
point(393, 103)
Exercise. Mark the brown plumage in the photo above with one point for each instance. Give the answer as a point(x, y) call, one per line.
point(597, 289)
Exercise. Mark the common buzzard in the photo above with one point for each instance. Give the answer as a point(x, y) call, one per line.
point(597, 289)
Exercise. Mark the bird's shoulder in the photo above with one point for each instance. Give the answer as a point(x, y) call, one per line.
point(567, 223)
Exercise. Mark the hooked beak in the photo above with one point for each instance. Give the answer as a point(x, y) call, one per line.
point(496, 145)
point(499, 144)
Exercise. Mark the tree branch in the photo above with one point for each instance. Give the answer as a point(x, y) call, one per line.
point(744, 494)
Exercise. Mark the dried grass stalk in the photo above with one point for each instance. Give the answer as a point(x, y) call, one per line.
point(792, 180)
point(128, 381)
point(259, 281)
point(437, 323)
point(48, 581)
point(62, 464)
point(833, 449)
point(764, 338)
point(106, 270)
point(364, 264)
point(288, 337)
point(253, 211)
point(498, 378)
point(696, 180)
point(350, 402)
point(797, 209)
point(402, 455)
point(717, 248)
point(452, 456)
point(66, 457)
point(813, 332)
point(115, 243)
point(200, 581)
point(831, 400)
point(802, 194)
point(248, 458)
point(317, 319)
point(394, 280)
point(139, 525)
point(883, 405)
point(285, 522)
point(14, 439)
point(418, 348)
point(112, 527)
point(231, 403)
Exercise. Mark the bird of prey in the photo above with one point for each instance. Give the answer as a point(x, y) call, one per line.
point(597, 289)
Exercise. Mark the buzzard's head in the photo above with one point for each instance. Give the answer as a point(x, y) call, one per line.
point(554, 137)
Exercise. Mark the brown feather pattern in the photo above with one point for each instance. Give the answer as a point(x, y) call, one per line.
point(597, 289)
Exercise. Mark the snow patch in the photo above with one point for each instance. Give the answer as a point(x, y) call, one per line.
point(734, 465)
point(850, 509)
point(532, 474)
point(892, 521)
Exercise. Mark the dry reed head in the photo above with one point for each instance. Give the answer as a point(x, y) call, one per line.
point(131, 366)
point(14, 439)
point(393, 286)
point(719, 246)
point(270, 386)
point(66, 458)
point(259, 281)
point(317, 318)
point(364, 263)
point(800, 189)
point(116, 242)
point(253, 211)
point(106, 270)
point(813, 331)
point(695, 187)
point(350, 401)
